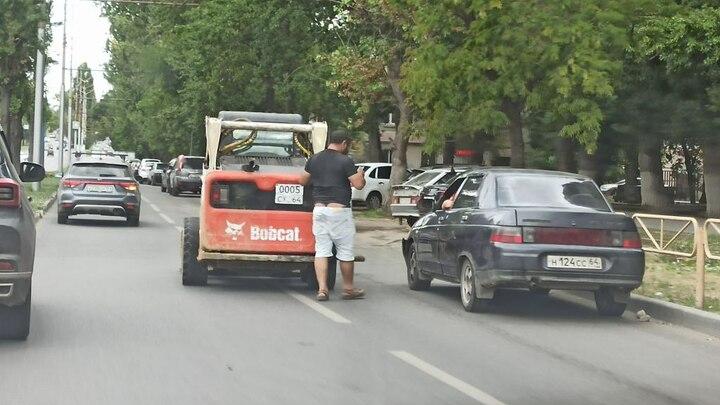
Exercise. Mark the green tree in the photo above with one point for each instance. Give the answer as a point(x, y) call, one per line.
point(19, 23)
point(487, 65)
point(687, 44)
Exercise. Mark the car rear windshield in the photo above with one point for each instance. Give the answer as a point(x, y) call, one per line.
point(98, 170)
point(247, 196)
point(549, 192)
point(421, 179)
point(193, 163)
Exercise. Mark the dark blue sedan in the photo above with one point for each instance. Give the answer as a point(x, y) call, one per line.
point(534, 229)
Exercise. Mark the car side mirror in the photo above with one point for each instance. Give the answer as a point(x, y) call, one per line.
point(31, 172)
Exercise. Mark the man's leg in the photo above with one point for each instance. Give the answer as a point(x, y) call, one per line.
point(348, 273)
point(321, 270)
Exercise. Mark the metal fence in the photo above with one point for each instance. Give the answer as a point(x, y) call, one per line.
point(687, 239)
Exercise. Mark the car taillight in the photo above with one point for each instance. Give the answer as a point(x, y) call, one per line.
point(9, 193)
point(506, 234)
point(631, 240)
point(129, 186)
point(219, 194)
point(73, 184)
point(6, 266)
point(414, 199)
point(581, 237)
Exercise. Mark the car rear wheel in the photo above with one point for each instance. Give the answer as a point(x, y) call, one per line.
point(133, 220)
point(311, 278)
point(62, 219)
point(415, 282)
point(193, 272)
point(606, 303)
point(374, 201)
point(468, 295)
point(15, 321)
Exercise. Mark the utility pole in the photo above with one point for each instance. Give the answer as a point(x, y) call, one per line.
point(61, 168)
point(38, 147)
point(83, 117)
point(70, 116)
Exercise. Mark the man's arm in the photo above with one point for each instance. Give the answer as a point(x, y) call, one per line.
point(357, 180)
point(305, 178)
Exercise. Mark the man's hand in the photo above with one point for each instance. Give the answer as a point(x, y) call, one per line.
point(357, 180)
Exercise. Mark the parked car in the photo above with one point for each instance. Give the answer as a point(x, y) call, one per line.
point(156, 171)
point(165, 179)
point(17, 244)
point(186, 175)
point(377, 185)
point(517, 228)
point(405, 197)
point(143, 171)
point(99, 188)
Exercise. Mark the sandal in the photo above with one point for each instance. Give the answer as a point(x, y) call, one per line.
point(353, 294)
point(322, 295)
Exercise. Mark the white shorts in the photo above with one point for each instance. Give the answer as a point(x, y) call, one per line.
point(334, 226)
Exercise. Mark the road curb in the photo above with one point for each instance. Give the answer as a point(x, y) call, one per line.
point(40, 214)
point(676, 314)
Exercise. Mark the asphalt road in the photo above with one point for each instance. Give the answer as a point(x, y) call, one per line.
point(112, 324)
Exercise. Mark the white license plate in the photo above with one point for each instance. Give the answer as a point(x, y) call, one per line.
point(99, 188)
point(289, 194)
point(574, 262)
point(405, 200)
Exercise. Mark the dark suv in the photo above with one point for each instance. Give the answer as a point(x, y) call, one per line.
point(17, 244)
point(186, 175)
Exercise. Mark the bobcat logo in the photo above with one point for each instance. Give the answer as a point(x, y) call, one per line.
point(234, 230)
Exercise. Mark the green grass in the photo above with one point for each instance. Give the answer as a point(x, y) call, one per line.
point(45, 191)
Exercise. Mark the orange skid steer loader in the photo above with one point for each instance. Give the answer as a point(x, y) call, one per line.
point(255, 217)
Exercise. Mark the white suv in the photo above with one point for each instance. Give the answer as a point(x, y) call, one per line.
point(377, 187)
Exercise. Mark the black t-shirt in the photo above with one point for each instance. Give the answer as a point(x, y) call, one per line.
point(329, 171)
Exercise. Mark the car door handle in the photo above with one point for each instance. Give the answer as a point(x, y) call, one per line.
point(381, 183)
point(464, 218)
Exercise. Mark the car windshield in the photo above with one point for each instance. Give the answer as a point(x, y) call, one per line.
point(161, 166)
point(193, 163)
point(98, 170)
point(549, 192)
point(421, 179)
point(266, 143)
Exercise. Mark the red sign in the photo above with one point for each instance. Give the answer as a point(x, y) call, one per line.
point(464, 152)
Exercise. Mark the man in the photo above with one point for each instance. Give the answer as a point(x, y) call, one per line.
point(331, 173)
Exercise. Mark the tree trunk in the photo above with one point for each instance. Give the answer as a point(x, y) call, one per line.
point(630, 192)
point(691, 170)
point(587, 164)
point(449, 150)
point(402, 138)
point(15, 132)
point(563, 151)
point(513, 112)
point(5, 94)
point(652, 189)
point(711, 169)
point(372, 128)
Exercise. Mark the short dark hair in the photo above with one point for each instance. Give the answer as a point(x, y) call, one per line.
point(339, 136)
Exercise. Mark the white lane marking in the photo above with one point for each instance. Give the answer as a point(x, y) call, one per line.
point(328, 313)
point(155, 207)
point(167, 219)
point(147, 200)
point(448, 379)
